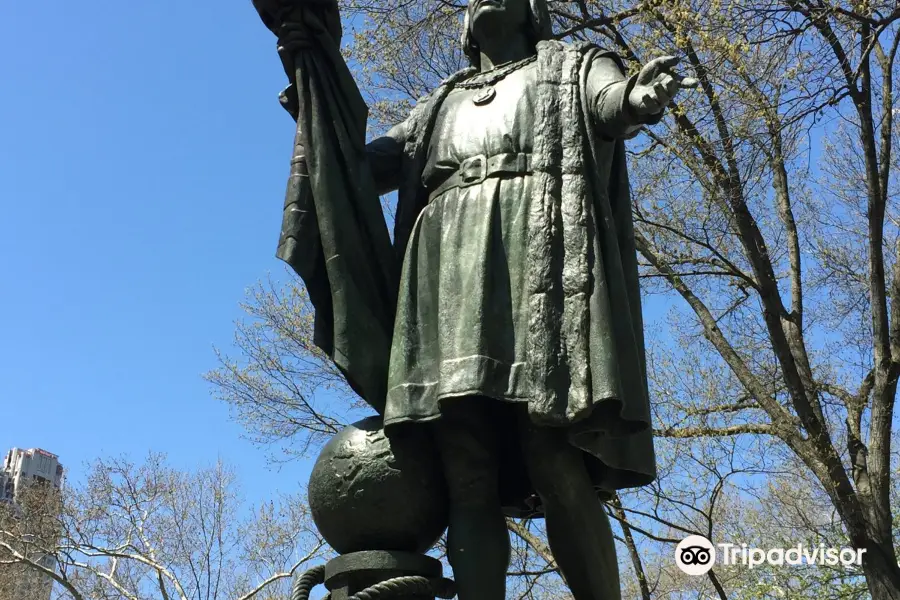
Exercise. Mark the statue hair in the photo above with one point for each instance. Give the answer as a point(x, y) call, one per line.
point(541, 29)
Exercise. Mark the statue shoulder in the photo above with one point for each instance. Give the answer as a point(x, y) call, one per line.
point(422, 114)
point(581, 50)
point(440, 90)
point(575, 47)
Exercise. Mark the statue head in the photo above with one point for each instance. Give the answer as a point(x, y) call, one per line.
point(533, 16)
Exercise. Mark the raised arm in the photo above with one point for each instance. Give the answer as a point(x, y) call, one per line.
point(385, 155)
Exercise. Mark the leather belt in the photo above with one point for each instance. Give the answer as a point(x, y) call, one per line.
point(476, 169)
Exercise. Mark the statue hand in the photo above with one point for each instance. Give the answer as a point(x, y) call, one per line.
point(293, 36)
point(304, 29)
point(657, 85)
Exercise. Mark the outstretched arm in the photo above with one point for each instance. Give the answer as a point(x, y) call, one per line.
point(621, 105)
point(607, 96)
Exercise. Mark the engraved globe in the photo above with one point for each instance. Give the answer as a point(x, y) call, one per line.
point(369, 492)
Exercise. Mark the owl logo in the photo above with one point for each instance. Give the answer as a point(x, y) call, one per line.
point(695, 555)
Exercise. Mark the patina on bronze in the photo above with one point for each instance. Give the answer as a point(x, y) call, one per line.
point(509, 304)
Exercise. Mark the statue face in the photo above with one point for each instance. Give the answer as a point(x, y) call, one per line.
point(493, 17)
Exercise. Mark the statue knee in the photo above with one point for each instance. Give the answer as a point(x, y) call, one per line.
point(555, 478)
point(555, 467)
point(473, 488)
point(470, 458)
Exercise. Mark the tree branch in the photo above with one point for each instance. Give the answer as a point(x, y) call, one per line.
point(278, 576)
point(20, 558)
point(532, 540)
point(694, 432)
point(616, 504)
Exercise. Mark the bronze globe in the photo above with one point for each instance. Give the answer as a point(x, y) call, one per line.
point(368, 492)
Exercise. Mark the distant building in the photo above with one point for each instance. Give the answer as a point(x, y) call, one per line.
point(6, 486)
point(20, 469)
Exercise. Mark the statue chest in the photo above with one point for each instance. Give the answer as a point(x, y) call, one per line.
point(487, 120)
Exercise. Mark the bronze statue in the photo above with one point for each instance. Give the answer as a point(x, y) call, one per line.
point(508, 303)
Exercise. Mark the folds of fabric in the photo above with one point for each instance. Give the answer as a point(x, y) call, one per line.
point(586, 350)
point(334, 233)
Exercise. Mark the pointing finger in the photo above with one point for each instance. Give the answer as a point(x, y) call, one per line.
point(689, 82)
point(653, 68)
point(664, 63)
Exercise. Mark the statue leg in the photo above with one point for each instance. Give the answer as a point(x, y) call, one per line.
point(577, 526)
point(477, 537)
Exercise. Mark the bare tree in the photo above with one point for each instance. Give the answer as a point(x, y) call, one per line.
point(32, 524)
point(766, 221)
point(148, 531)
point(761, 283)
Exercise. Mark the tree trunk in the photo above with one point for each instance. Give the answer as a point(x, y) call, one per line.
point(882, 571)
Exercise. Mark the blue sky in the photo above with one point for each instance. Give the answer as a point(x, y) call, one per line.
point(143, 156)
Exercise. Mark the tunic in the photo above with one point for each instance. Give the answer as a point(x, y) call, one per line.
point(462, 311)
point(473, 304)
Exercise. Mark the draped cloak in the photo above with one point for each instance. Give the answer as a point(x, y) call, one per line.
point(333, 232)
point(585, 335)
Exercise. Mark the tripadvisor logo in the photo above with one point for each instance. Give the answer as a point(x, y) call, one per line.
point(696, 555)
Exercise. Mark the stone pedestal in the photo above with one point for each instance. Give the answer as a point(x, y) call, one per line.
point(354, 572)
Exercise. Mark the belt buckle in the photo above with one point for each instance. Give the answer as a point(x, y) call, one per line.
point(473, 170)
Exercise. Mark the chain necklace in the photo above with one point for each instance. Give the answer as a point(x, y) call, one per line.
point(494, 75)
point(485, 81)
